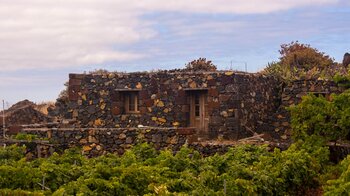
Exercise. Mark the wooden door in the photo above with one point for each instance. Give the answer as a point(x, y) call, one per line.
point(199, 113)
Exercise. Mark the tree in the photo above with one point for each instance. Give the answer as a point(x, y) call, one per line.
point(201, 64)
point(303, 56)
point(301, 61)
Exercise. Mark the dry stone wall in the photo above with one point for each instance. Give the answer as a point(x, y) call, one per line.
point(98, 141)
point(292, 94)
point(239, 104)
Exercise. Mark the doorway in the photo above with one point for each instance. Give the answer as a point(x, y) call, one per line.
point(199, 117)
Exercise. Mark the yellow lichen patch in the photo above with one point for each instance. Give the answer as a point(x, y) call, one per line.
point(154, 118)
point(162, 120)
point(98, 122)
point(193, 85)
point(86, 148)
point(229, 73)
point(138, 85)
point(166, 110)
point(103, 106)
point(111, 75)
point(103, 93)
point(160, 104)
point(176, 124)
point(83, 97)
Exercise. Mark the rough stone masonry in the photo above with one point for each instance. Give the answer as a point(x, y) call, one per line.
point(109, 112)
point(237, 104)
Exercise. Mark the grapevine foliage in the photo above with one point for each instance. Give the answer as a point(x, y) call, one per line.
point(243, 170)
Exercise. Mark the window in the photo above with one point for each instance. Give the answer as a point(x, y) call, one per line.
point(196, 105)
point(131, 102)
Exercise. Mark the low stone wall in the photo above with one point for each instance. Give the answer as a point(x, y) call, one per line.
point(98, 141)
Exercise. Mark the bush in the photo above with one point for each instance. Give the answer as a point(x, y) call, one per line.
point(301, 61)
point(329, 119)
point(201, 64)
point(341, 185)
point(11, 153)
point(25, 136)
point(303, 56)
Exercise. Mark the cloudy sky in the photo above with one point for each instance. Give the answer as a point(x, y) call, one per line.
point(44, 40)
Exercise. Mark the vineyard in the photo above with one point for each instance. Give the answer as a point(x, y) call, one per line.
point(243, 170)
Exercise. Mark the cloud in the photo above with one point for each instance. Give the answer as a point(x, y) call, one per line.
point(229, 6)
point(39, 34)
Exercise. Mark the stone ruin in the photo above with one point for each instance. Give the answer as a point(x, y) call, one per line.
point(109, 112)
point(23, 113)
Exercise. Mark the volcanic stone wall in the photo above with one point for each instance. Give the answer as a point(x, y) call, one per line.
point(292, 95)
point(98, 141)
point(239, 104)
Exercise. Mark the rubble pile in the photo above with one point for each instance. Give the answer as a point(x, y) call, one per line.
point(24, 112)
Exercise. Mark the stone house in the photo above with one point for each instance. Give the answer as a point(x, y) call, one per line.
point(221, 104)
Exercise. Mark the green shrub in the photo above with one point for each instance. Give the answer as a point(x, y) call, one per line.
point(341, 185)
point(25, 136)
point(329, 119)
point(11, 153)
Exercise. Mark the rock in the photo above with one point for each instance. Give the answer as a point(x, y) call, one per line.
point(229, 73)
point(83, 97)
point(91, 109)
point(122, 136)
point(98, 122)
point(193, 85)
point(86, 148)
point(224, 114)
point(92, 139)
point(98, 147)
point(156, 138)
point(172, 140)
point(139, 85)
point(162, 120)
point(176, 124)
point(128, 140)
point(102, 106)
point(83, 141)
point(160, 103)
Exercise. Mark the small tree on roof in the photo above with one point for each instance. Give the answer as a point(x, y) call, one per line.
point(201, 64)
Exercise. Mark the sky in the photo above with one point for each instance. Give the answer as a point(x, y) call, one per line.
point(42, 41)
